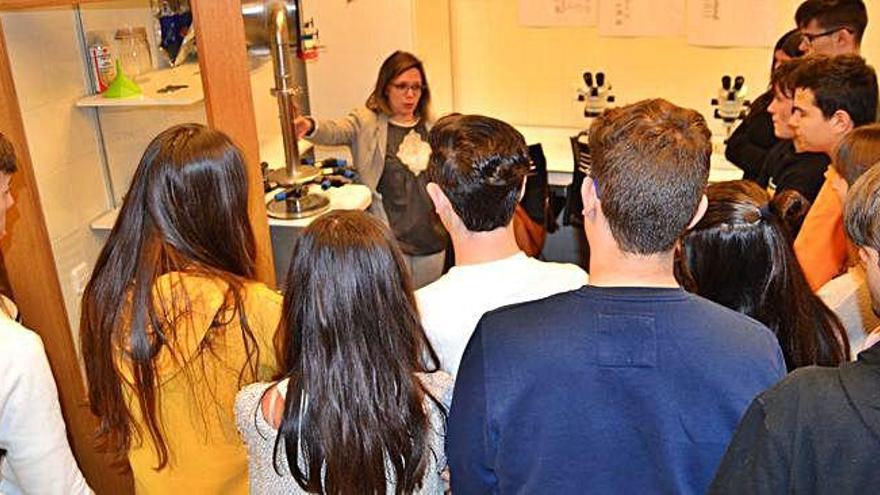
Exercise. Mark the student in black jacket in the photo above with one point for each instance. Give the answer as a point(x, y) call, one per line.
point(786, 167)
point(818, 430)
point(749, 144)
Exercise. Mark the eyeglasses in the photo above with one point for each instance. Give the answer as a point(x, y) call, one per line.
point(810, 38)
point(403, 87)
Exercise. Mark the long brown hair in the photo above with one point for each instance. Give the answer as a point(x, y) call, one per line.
point(186, 211)
point(350, 341)
point(740, 255)
point(396, 64)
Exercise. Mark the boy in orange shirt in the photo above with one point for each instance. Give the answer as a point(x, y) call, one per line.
point(833, 95)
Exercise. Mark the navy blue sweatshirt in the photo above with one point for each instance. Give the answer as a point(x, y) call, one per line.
point(605, 390)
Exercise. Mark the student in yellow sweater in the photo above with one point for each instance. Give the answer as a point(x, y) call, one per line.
point(173, 324)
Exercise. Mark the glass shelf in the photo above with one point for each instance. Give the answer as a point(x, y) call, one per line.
point(151, 83)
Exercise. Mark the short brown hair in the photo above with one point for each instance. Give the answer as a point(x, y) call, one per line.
point(861, 215)
point(857, 152)
point(8, 164)
point(396, 64)
point(651, 165)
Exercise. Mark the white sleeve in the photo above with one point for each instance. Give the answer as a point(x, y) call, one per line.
point(38, 458)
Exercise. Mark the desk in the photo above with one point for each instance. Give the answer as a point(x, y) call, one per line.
point(560, 161)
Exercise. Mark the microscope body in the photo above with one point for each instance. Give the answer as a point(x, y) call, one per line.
point(731, 104)
point(597, 96)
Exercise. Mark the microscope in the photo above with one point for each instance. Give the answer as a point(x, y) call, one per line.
point(597, 95)
point(731, 103)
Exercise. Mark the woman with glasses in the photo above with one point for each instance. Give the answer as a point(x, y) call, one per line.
point(388, 141)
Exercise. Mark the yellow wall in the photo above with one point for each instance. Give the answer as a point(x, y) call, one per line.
point(529, 75)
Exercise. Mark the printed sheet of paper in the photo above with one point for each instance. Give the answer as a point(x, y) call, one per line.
point(551, 13)
point(742, 23)
point(636, 18)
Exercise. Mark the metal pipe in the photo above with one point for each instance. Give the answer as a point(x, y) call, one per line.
point(278, 25)
point(274, 24)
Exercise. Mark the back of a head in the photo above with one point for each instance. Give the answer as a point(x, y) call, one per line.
point(739, 255)
point(861, 215)
point(832, 14)
point(348, 279)
point(857, 152)
point(350, 340)
point(739, 244)
point(843, 82)
point(650, 165)
point(479, 163)
point(189, 193)
point(8, 162)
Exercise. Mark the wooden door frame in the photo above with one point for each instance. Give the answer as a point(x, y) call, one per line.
point(230, 105)
point(37, 290)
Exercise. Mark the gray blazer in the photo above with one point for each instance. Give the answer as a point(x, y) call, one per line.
point(365, 132)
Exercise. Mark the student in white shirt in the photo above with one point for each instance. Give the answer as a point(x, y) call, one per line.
point(477, 171)
point(36, 457)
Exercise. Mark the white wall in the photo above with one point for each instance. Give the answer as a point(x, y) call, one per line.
point(357, 37)
point(49, 77)
point(50, 74)
point(529, 75)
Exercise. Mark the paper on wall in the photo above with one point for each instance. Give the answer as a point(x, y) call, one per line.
point(549, 13)
point(657, 18)
point(745, 23)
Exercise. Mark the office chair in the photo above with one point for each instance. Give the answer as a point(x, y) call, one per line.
point(574, 205)
point(536, 199)
point(582, 163)
point(532, 218)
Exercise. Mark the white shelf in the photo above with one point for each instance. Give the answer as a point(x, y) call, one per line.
point(151, 83)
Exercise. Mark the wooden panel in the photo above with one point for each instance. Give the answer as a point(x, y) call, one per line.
point(230, 108)
point(27, 254)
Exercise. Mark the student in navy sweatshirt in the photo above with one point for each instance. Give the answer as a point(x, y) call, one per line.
point(630, 384)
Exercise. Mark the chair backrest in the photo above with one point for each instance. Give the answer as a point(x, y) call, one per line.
point(574, 206)
point(536, 199)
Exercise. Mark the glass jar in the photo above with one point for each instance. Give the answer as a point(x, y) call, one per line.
point(134, 51)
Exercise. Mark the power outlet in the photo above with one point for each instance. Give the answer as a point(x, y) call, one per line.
point(79, 277)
